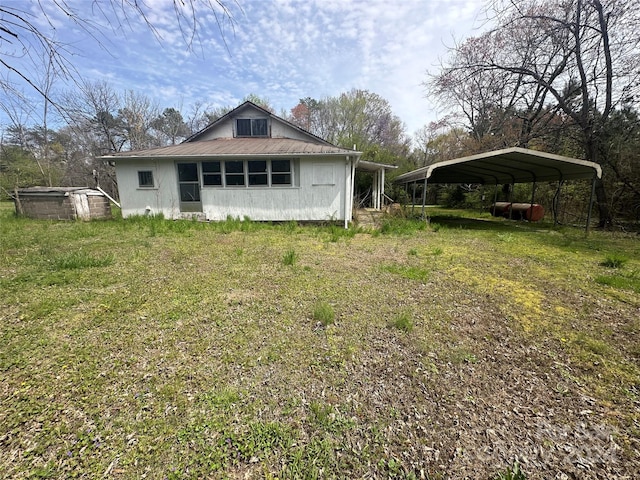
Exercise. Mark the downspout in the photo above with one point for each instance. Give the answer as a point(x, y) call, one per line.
point(348, 194)
point(350, 185)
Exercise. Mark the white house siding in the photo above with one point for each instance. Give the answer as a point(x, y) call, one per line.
point(161, 199)
point(304, 202)
point(319, 194)
point(226, 128)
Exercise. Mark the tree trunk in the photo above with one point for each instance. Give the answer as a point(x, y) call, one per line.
point(593, 154)
point(16, 197)
point(604, 213)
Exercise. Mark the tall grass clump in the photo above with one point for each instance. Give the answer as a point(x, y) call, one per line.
point(614, 260)
point(402, 322)
point(401, 226)
point(512, 473)
point(79, 259)
point(323, 313)
point(336, 232)
point(290, 257)
point(410, 272)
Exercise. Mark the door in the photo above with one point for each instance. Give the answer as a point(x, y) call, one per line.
point(189, 187)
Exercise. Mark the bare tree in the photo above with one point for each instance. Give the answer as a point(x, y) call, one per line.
point(578, 59)
point(22, 36)
point(137, 116)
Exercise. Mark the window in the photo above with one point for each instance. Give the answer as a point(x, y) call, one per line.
point(258, 175)
point(280, 172)
point(242, 173)
point(234, 173)
point(188, 182)
point(255, 127)
point(145, 179)
point(211, 174)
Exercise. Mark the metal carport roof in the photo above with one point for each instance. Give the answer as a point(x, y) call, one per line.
point(511, 165)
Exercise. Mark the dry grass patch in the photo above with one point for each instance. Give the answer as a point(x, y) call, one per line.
point(187, 350)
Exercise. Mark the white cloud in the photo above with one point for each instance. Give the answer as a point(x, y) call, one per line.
point(279, 49)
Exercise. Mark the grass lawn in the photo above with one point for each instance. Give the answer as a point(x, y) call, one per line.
point(146, 348)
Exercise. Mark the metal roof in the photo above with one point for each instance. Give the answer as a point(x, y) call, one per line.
point(56, 191)
point(366, 166)
point(511, 165)
point(231, 147)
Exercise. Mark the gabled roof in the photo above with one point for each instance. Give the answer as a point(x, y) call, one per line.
point(196, 148)
point(236, 147)
point(511, 165)
point(247, 105)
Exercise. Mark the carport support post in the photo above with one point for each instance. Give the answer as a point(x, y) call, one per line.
point(555, 203)
point(424, 197)
point(533, 193)
point(413, 196)
point(593, 191)
point(533, 197)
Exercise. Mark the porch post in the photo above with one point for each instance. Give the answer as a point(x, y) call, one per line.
point(381, 187)
point(374, 191)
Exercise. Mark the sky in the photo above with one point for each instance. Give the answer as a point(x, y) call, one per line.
point(281, 50)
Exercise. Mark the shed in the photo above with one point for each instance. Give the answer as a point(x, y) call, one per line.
point(62, 203)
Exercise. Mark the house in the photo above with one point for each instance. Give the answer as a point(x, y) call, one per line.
point(249, 163)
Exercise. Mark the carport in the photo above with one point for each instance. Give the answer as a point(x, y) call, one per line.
point(507, 166)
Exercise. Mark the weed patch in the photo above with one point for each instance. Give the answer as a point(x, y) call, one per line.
point(290, 258)
point(630, 281)
point(403, 322)
point(323, 313)
point(614, 261)
point(79, 259)
point(410, 272)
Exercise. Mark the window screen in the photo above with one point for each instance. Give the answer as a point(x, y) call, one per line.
point(281, 172)
point(234, 173)
point(258, 175)
point(145, 178)
point(211, 173)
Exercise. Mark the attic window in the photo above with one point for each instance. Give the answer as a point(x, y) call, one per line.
point(251, 127)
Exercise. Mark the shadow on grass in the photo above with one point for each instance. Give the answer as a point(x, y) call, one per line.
point(488, 224)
